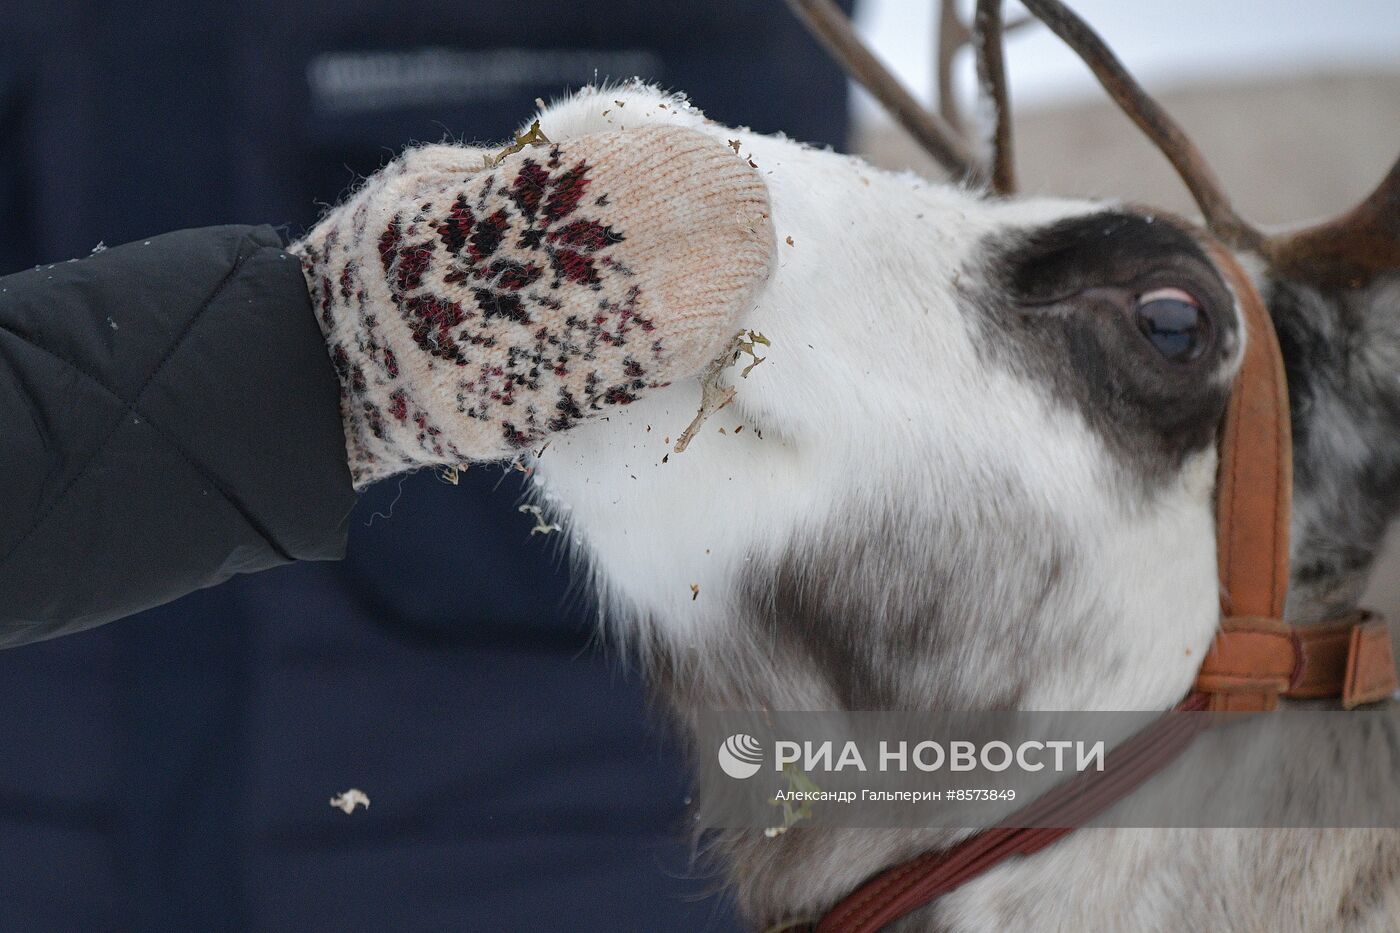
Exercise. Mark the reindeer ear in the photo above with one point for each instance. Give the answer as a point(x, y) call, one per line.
point(1348, 251)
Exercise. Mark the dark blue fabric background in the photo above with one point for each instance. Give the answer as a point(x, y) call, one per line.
point(172, 771)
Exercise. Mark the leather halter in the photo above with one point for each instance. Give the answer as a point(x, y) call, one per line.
point(1255, 659)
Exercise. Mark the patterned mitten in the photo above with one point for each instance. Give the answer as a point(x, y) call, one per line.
point(471, 310)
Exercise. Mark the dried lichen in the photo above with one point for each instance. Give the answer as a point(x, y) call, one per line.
point(750, 346)
point(452, 474)
point(542, 527)
point(714, 396)
point(534, 136)
point(802, 785)
point(734, 144)
point(350, 799)
point(793, 924)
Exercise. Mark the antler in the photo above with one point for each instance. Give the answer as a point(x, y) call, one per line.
point(988, 38)
point(826, 21)
point(955, 34)
point(1149, 116)
point(1350, 250)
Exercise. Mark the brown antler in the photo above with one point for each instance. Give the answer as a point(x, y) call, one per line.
point(1347, 251)
point(825, 19)
point(954, 34)
point(988, 38)
point(1149, 116)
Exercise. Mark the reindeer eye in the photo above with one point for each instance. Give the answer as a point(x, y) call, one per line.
point(1173, 322)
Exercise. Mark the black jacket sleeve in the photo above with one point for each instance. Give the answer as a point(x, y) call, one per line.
point(169, 417)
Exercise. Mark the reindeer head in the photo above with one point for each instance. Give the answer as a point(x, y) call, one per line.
point(976, 468)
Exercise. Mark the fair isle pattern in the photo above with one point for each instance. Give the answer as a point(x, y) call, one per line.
point(470, 311)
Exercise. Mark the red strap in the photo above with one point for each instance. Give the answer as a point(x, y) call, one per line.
point(907, 887)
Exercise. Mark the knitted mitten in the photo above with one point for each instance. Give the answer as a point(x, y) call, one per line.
point(472, 310)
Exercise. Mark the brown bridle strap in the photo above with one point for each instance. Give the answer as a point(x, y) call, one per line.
point(1255, 659)
point(1254, 480)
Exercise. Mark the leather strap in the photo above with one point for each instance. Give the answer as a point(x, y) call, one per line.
point(1370, 671)
point(1256, 657)
point(1255, 661)
point(1254, 485)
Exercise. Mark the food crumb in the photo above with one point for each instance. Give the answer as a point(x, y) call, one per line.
point(789, 241)
point(348, 800)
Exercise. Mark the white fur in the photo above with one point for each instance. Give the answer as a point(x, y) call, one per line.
point(872, 375)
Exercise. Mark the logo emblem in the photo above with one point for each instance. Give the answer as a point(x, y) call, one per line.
point(740, 756)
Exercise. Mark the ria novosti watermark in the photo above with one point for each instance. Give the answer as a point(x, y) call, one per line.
point(774, 770)
point(741, 756)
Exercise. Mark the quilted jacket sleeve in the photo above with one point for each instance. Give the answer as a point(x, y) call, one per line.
point(169, 417)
